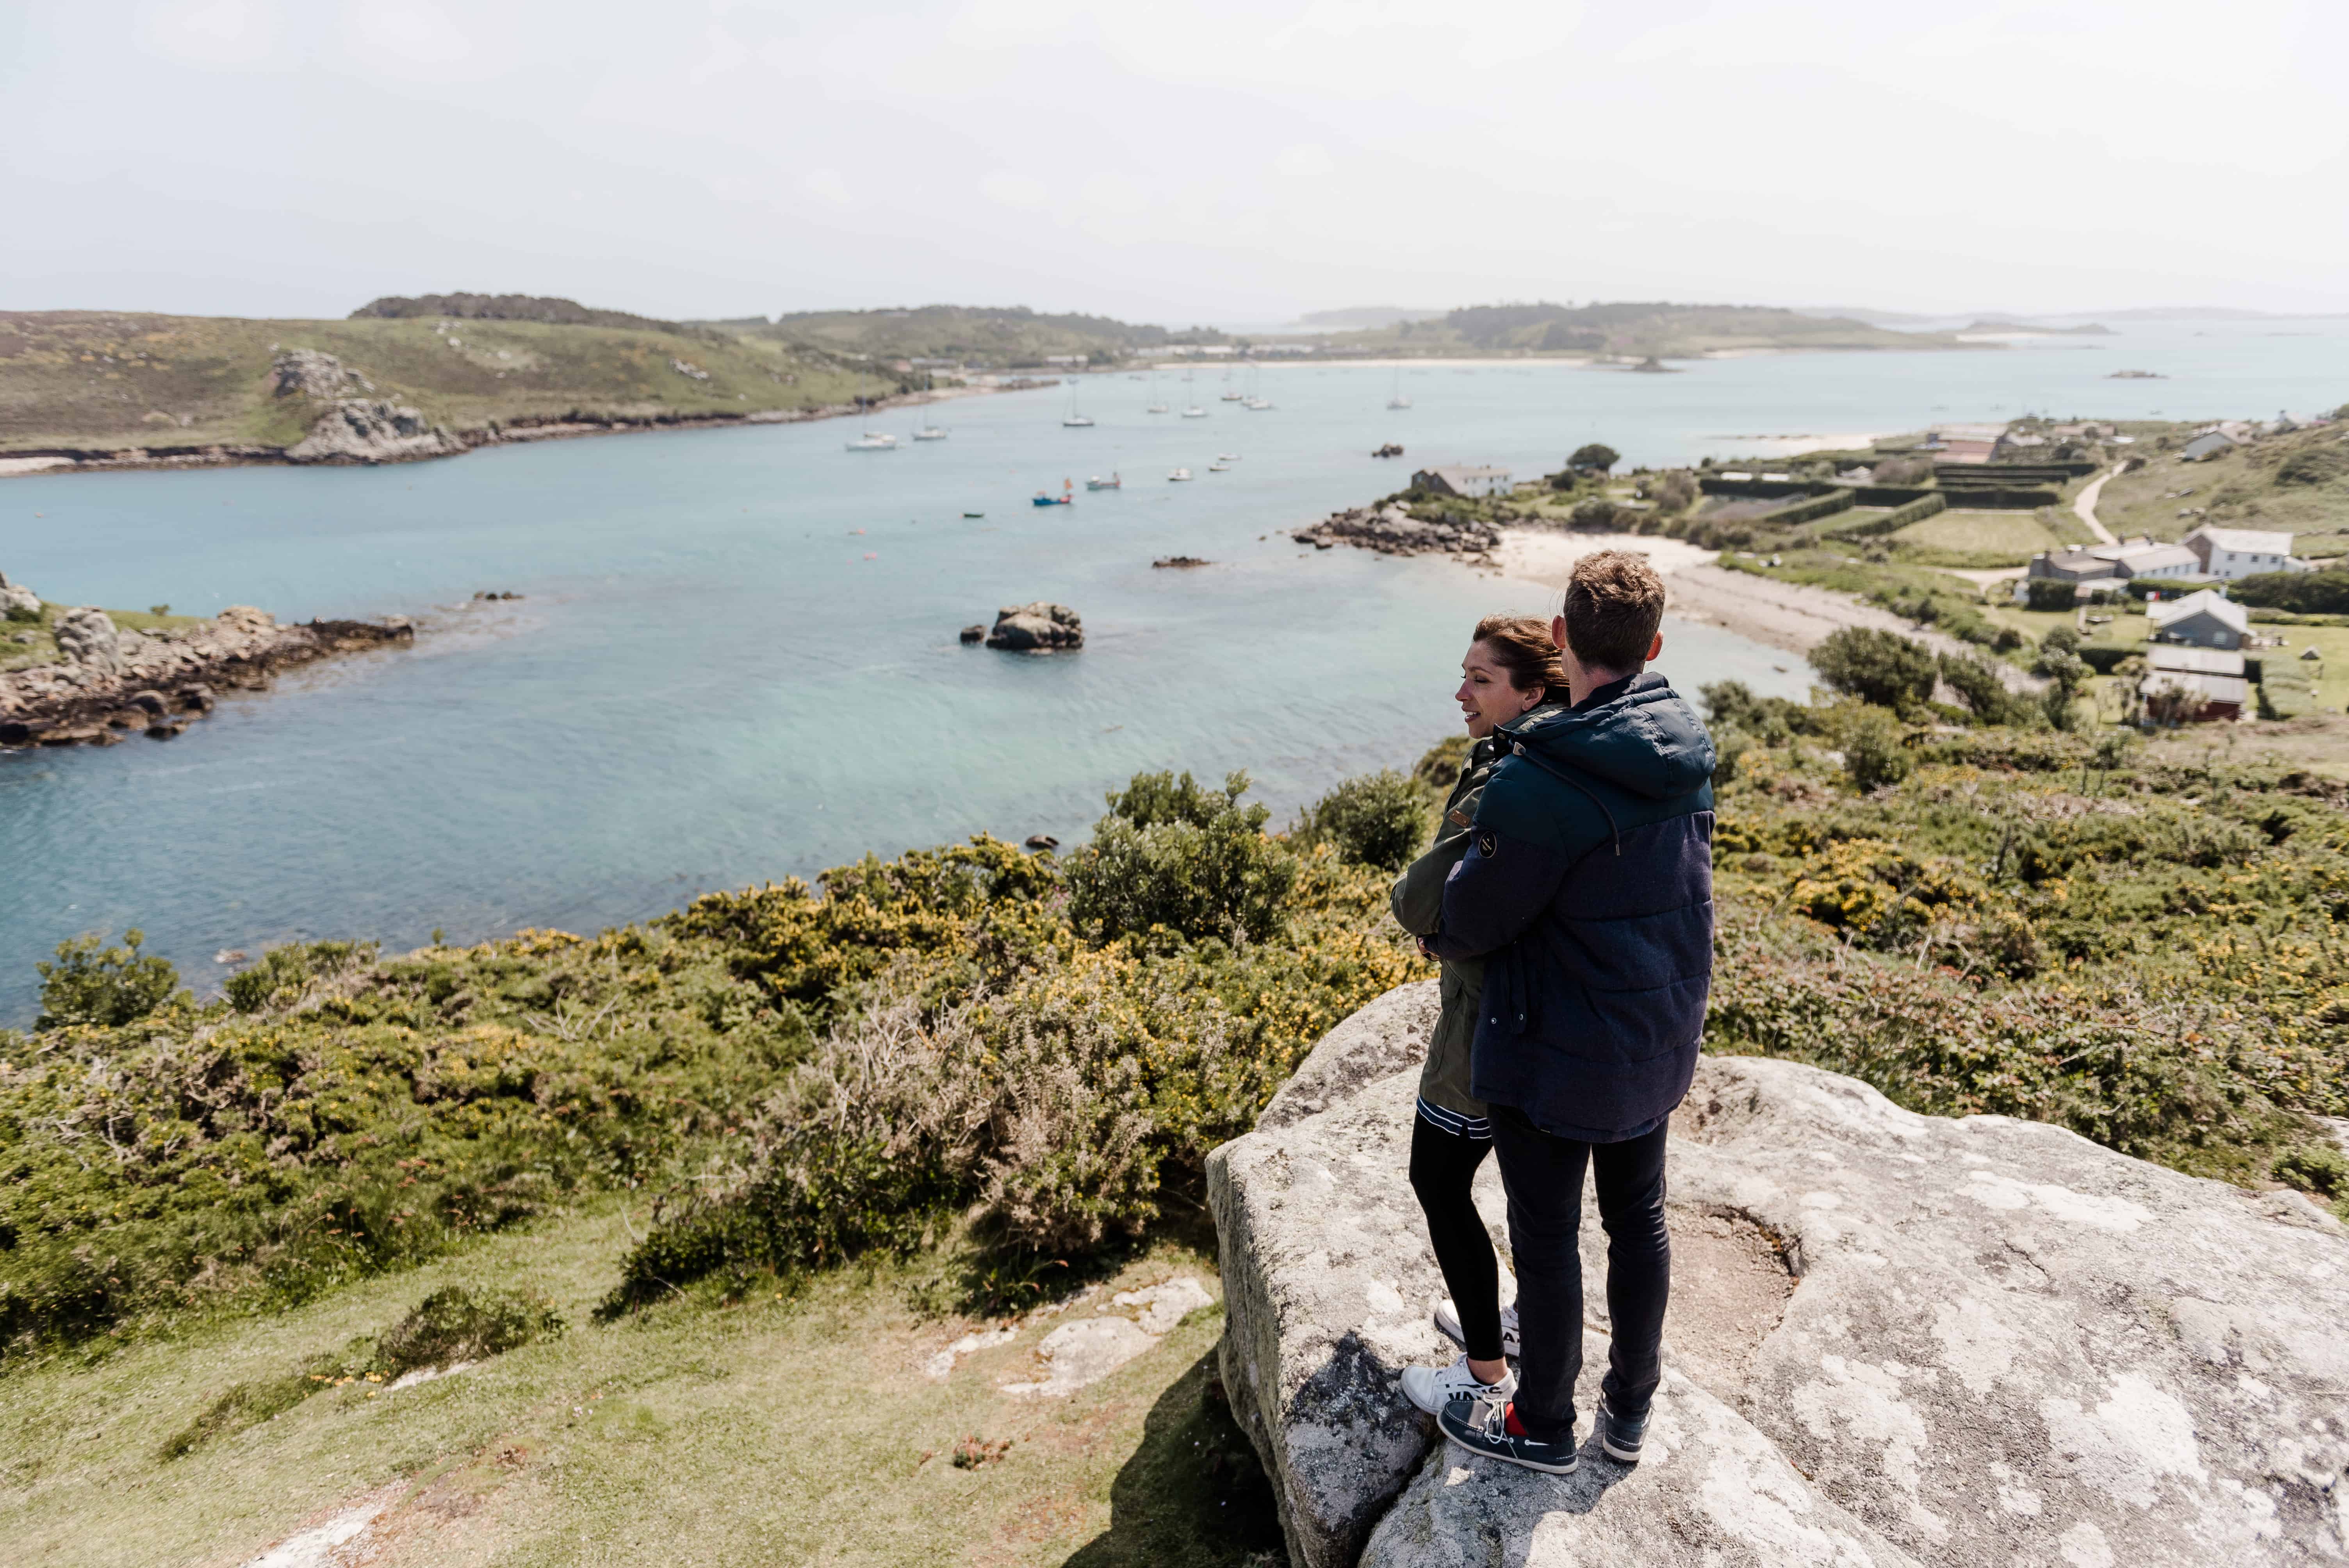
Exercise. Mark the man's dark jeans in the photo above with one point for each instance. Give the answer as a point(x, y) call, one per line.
point(1543, 1176)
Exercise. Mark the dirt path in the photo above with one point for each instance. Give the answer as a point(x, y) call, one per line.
point(2084, 506)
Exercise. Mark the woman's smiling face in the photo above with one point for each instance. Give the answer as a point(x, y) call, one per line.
point(1486, 697)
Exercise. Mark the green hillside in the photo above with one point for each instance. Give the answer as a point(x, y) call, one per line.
point(2296, 484)
point(1632, 328)
point(1007, 337)
point(119, 379)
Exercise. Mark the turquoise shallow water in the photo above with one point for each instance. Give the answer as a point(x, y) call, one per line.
point(717, 678)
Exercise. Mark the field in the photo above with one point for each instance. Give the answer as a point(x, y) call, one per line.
point(797, 1429)
point(1985, 539)
point(87, 378)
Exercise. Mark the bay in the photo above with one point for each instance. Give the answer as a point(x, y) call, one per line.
point(736, 659)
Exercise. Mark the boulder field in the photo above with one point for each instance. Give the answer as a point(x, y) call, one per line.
point(1894, 1340)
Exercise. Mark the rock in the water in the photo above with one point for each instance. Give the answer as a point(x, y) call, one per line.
point(88, 636)
point(1392, 529)
point(16, 601)
point(1035, 628)
point(308, 373)
point(975, 633)
point(2008, 1345)
point(1179, 560)
point(363, 431)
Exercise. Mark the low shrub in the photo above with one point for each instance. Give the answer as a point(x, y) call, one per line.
point(1880, 668)
point(105, 988)
point(1378, 820)
point(1173, 855)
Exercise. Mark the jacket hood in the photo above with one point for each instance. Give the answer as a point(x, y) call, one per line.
point(1647, 740)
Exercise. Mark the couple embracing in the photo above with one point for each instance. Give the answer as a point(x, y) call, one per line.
point(1569, 896)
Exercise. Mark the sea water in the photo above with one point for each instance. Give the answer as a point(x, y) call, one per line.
point(736, 659)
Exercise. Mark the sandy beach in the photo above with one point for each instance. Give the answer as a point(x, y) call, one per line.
point(1788, 615)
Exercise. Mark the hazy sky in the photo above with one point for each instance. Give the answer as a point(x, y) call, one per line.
point(1172, 162)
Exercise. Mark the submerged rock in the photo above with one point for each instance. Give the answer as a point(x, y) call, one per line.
point(2008, 1345)
point(1036, 628)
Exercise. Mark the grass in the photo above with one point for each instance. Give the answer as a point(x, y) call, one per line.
point(2236, 490)
point(92, 378)
point(793, 1431)
point(1982, 539)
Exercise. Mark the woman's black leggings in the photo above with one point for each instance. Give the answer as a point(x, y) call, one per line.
point(1442, 1165)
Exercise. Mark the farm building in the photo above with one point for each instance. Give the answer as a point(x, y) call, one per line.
point(2204, 619)
point(1462, 481)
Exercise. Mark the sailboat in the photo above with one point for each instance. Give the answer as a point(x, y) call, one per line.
point(873, 441)
point(1076, 419)
point(1396, 399)
point(1155, 406)
point(929, 432)
point(1229, 395)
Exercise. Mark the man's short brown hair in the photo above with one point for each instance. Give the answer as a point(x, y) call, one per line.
point(1614, 602)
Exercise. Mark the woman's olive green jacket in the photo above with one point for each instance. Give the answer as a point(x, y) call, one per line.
point(1417, 901)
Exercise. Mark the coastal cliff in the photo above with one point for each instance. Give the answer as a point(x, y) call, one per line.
point(1894, 1340)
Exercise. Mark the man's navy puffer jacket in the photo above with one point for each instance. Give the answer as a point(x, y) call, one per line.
point(1588, 886)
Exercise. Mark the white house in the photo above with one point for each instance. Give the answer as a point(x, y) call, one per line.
point(2204, 619)
point(1458, 481)
point(2231, 552)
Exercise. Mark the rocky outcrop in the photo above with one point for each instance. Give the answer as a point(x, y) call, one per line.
point(1036, 628)
point(1390, 530)
point(364, 430)
point(1893, 1338)
point(308, 373)
point(16, 601)
point(111, 680)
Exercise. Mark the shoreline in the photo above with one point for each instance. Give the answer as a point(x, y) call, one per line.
point(45, 460)
point(107, 683)
point(1793, 617)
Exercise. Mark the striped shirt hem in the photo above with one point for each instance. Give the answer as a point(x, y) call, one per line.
point(1478, 1128)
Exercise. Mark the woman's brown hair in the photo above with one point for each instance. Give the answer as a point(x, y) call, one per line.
point(1521, 646)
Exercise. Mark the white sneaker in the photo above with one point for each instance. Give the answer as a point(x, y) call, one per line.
point(1432, 1388)
point(1447, 1321)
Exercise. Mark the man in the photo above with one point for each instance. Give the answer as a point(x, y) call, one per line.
point(1587, 888)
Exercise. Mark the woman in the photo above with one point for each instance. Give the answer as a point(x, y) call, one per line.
point(1512, 669)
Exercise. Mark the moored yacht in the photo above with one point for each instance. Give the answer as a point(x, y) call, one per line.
point(1178, 476)
point(873, 441)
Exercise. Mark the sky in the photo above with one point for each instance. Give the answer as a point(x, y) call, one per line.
point(1172, 162)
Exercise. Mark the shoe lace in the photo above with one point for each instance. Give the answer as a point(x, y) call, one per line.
point(1492, 1413)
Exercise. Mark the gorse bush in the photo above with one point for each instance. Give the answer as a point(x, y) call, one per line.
point(1379, 820)
point(104, 987)
point(1173, 855)
point(1879, 667)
